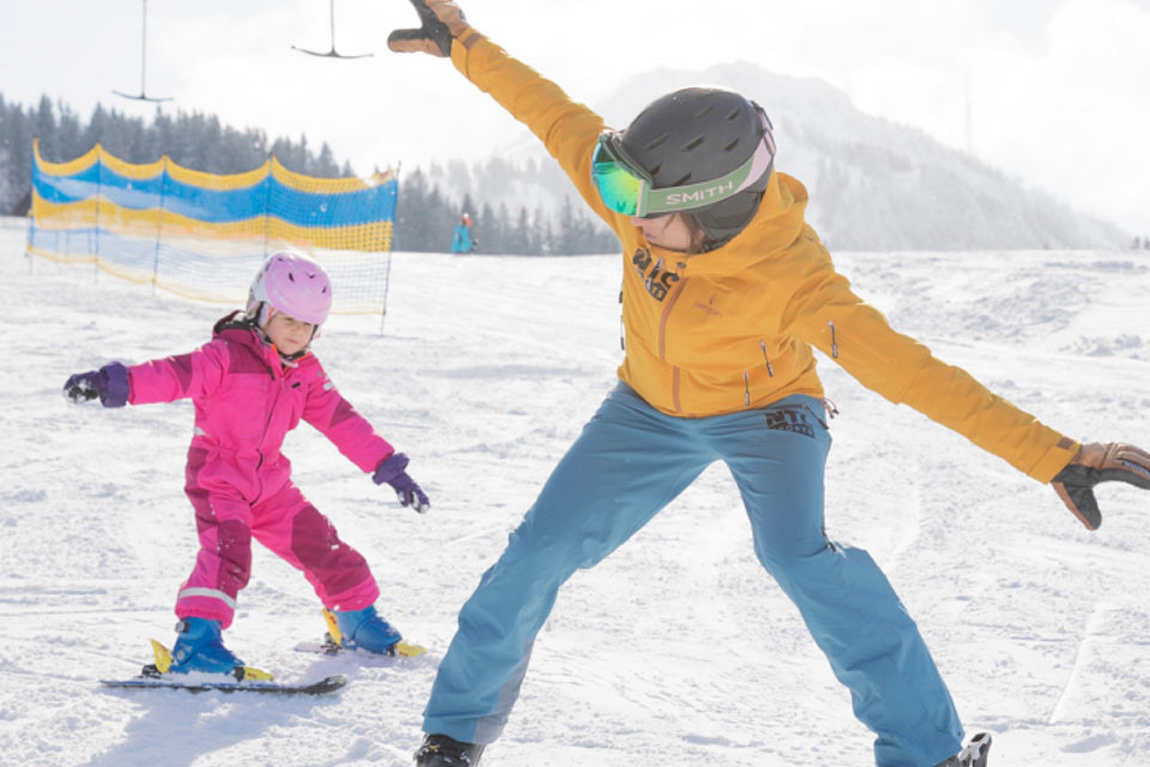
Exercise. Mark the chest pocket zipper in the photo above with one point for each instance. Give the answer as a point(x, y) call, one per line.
point(766, 359)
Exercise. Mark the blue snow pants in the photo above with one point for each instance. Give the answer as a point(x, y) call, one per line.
point(630, 462)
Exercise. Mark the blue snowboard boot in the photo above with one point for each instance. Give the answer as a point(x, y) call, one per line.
point(199, 647)
point(366, 630)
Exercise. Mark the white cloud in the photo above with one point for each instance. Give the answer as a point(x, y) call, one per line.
point(1073, 119)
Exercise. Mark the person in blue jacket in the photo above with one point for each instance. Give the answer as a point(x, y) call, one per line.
point(461, 241)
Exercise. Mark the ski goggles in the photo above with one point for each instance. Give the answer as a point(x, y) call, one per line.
point(626, 187)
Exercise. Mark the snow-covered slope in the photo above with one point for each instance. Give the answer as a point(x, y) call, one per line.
point(678, 650)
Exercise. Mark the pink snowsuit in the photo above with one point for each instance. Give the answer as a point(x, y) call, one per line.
point(240, 483)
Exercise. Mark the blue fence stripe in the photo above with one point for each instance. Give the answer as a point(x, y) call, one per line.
point(217, 206)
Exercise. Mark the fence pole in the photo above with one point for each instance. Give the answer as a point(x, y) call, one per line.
point(160, 222)
point(394, 222)
point(268, 178)
point(96, 227)
point(31, 211)
point(28, 248)
point(386, 284)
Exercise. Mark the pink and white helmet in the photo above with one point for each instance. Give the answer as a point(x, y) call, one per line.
point(293, 284)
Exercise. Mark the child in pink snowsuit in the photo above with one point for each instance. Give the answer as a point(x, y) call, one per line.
point(251, 384)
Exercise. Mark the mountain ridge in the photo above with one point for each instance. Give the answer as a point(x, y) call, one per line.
point(874, 184)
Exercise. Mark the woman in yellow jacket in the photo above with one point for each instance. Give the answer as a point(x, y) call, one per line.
point(725, 292)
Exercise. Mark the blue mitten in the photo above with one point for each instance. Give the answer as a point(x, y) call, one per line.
point(109, 384)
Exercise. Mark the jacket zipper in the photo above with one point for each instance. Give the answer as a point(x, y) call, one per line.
point(271, 410)
point(622, 325)
point(766, 359)
point(268, 422)
point(663, 343)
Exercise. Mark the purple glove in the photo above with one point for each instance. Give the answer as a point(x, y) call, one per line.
point(391, 471)
point(109, 383)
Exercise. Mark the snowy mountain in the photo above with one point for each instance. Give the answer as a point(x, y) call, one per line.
point(874, 184)
point(678, 649)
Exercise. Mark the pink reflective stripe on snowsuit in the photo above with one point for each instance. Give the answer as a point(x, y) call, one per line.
point(238, 480)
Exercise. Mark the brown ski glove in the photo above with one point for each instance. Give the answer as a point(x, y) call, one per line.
point(442, 22)
point(1096, 463)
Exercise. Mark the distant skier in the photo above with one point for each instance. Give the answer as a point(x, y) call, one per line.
point(461, 241)
point(251, 384)
point(726, 292)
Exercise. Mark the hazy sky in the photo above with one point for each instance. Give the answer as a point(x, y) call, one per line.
point(1059, 90)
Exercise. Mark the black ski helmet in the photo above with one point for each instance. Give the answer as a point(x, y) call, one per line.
point(697, 134)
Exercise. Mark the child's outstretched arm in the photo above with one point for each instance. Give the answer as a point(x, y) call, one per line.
point(161, 380)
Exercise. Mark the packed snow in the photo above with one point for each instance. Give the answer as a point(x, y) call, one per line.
point(678, 649)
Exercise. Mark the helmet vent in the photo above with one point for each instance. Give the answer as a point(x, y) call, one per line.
point(731, 145)
point(658, 142)
point(291, 276)
point(704, 111)
point(734, 114)
point(693, 144)
point(681, 181)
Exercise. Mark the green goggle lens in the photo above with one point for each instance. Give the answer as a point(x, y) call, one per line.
point(620, 189)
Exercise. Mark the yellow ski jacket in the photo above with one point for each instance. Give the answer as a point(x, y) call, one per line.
point(733, 328)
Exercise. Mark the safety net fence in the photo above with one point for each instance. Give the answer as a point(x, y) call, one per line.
point(202, 235)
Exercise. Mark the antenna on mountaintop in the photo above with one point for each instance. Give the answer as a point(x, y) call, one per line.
point(332, 54)
point(142, 95)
